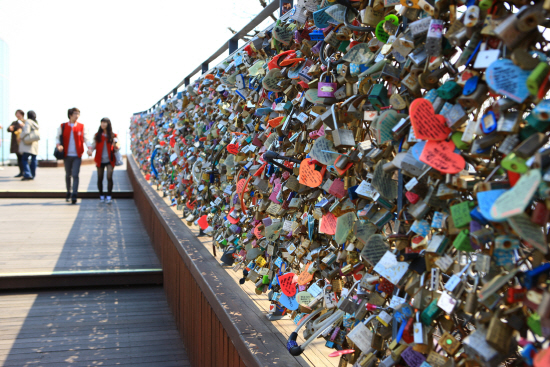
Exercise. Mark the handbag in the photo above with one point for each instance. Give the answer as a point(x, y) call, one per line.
point(118, 157)
point(57, 153)
point(32, 136)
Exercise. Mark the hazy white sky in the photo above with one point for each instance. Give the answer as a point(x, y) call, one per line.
point(108, 58)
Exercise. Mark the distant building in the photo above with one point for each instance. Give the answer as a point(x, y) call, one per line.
point(4, 98)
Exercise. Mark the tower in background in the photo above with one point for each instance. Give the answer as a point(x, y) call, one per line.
point(4, 98)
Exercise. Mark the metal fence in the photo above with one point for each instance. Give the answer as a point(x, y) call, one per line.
point(46, 147)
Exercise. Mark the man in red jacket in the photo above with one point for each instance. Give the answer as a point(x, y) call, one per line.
point(71, 137)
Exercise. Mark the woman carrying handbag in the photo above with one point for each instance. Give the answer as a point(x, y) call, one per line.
point(106, 145)
point(28, 146)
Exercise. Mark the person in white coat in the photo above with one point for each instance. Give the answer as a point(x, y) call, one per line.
point(29, 150)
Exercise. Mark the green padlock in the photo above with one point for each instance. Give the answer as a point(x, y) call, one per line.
point(533, 322)
point(378, 96)
point(457, 139)
point(461, 214)
point(514, 163)
point(485, 4)
point(431, 313)
point(449, 90)
point(536, 78)
point(462, 241)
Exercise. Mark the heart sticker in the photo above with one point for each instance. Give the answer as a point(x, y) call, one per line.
point(288, 283)
point(508, 79)
point(308, 175)
point(514, 201)
point(440, 155)
point(233, 148)
point(426, 124)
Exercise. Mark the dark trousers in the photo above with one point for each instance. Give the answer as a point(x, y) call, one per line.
point(20, 162)
point(100, 174)
point(72, 169)
point(29, 171)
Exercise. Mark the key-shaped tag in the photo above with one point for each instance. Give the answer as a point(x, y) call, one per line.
point(456, 279)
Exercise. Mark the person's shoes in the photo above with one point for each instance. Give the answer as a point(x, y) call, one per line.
point(102, 199)
point(73, 201)
point(68, 197)
point(26, 179)
point(19, 175)
point(109, 200)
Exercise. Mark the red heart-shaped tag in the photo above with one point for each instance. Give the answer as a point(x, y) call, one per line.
point(308, 175)
point(288, 283)
point(440, 155)
point(426, 124)
point(203, 222)
point(233, 148)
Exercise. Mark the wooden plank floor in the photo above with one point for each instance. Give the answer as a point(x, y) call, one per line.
point(106, 327)
point(316, 354)
point(45, 235)
point(53, 179)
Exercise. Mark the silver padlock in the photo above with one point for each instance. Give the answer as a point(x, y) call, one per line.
point(341, 137)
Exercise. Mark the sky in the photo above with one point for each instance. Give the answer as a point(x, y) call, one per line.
point(108, 58)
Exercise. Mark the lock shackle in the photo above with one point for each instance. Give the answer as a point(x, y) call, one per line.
point(296, 349)
point(323, 58)
point(348, 24)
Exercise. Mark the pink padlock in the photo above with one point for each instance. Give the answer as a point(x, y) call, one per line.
point(326, 89)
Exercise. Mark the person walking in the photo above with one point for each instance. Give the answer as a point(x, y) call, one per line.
point(70, 139)
point(15, 129)
point(28, 146)
point(105, 144)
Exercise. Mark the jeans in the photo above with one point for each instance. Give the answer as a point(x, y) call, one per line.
point(72, 168)
point(29, 171)
point(101, 173)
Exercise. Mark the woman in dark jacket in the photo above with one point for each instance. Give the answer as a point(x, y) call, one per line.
point(105, 144)
point(15, 129)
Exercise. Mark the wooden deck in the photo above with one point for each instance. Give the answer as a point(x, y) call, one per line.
point(107, 327)
point(47, 235)
point(49, 245)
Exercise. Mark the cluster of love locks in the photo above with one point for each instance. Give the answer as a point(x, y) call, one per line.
point(380, 171)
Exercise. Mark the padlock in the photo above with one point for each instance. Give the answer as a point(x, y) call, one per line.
point(499, 334)
point(326, 86)
point(341, 137)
